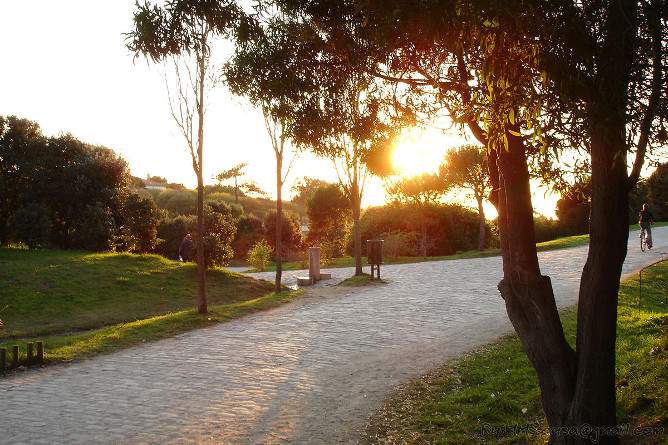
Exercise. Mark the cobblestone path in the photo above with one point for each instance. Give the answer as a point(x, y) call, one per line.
point(308, 372)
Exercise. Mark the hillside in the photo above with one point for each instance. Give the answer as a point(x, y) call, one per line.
point(52, 291)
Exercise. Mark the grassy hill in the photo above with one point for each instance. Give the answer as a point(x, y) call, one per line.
point(84, 303)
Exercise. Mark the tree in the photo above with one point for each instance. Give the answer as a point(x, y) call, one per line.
point(466, 168)
point(304, 189)
point(186, 28)
point(254, 72)
point(328, 212)
point(529, 79)
point(290, 240)
point(235, 173)
point(420, 191)
point(140, 224)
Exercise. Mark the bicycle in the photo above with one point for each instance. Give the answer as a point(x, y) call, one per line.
point(644, 245)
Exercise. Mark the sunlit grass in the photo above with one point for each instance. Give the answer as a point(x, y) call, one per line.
point(51, 291)
point(110, 338)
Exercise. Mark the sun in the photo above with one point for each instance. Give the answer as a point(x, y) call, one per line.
point(417, 151)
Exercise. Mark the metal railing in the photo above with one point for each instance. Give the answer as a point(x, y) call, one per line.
point(662, 284)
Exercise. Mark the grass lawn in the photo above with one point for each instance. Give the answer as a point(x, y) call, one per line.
point(559, 243)
point(83, 303)
point(496, 387)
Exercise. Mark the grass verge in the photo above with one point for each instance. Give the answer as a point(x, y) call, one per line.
point(79, 345)
point(81, 304)
point(492, 395)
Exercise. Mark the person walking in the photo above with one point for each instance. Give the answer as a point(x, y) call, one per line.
point(186, 248)
point(646, 219)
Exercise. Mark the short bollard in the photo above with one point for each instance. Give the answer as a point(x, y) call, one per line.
point(29, 353)
point(40, 352)
point(3, 359)
point(15, 356)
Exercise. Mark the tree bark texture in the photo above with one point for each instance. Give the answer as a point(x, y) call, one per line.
point(528, 295)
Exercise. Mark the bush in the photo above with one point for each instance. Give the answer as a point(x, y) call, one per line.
point(259, 255)
point(443, 229)
point(250, 230)
point(398, 244)
point(139, 232)
point(291, 239)
point(171, 231)
point(32, 225)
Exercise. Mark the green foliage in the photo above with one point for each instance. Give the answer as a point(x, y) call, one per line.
point(397, 244)
point(291, 236)
point(657, 193)
point(448, 228)
point(140, 224)
point(220, 230)
point(421, 189)
point(466, 168)
point(65, 193)
point(260, 255)
point(329, 219)
point(250, 230)
point(32, 225)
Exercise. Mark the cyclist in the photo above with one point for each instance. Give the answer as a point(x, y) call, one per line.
point(646, 219)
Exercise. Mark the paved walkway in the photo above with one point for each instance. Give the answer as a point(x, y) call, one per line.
point(308, 372)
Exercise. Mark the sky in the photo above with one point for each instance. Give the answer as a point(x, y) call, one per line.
point(65, 66)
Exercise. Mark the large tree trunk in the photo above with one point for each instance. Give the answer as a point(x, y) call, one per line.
point(481, 224)
point(355, 201)
point(528, 295)
point(279, 222)
point(594, 398)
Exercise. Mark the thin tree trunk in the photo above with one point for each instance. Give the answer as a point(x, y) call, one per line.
point(279, 222)
point(201, 262)
point(236, 190)
point(481, 224)
point(357, 233)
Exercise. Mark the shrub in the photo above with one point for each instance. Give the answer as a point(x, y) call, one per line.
point(32, 224)
point(259, 255)
point(250, 230)
point(398, 244)
point(291, 239)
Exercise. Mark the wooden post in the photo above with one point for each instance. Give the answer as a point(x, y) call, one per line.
point(3, 359)
point(30, 351)
point(314, 264)
point(40, 352)
point(15, 356)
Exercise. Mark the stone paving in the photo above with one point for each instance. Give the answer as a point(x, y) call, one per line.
point(308, 372)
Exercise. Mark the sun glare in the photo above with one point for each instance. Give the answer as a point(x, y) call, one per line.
point(418, 152)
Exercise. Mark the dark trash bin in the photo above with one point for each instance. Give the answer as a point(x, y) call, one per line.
point(374, 254)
